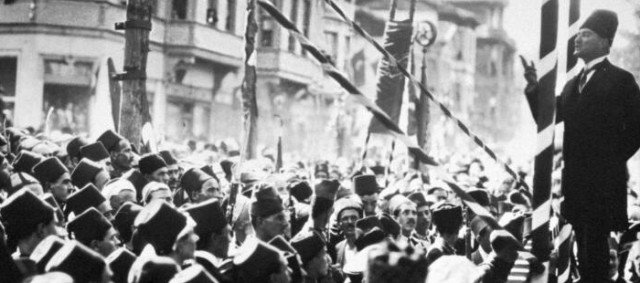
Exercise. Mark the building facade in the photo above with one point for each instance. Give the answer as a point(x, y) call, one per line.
point(52, 54)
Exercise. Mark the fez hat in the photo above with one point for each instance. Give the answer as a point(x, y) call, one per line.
point(385, 223)
point(347, 203)
point(371, 237)
point(19, 180)
point(168, 157)
point(327, 189)
point(85, 172)
point(480, 196)
point(502, 239)
point(51, 200)
point(308, 247)
point(88, 226)
point(265, 201)
point(45, 250)
point(209, 218)
point(25, 161)
point(209, 170)
point(300, 190)
point(209, 263)
point(397, 201)
point(73, 147)
point(120, 262)
point(193, 274)
point(151, 162)
point(446, 215)
point(49, 170)
point(79, 262)
point(603, 22)
point(366, 185)
point(281, 244)
point(94, 152)
point(256, 260)
point(110, 140)
point(21, 213)
point(517, 197)
point(85, 198)
point(378, 170)
point(419, 199)
point(322, 167)
point(161, 225)
point(124, 218)
point(193, 179)
point(138, 180)
point(152, 268)
point(226, 166)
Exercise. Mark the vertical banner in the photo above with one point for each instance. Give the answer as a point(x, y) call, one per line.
point(545, 118)
point(249, 103)
point(390, 86)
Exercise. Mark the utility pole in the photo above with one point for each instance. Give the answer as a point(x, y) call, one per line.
point(249, 102)
point(135, 107)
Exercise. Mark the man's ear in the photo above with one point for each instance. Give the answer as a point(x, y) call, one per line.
point(94, 245)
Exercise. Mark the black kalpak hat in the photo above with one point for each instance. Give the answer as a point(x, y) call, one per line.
point(161, 225)
point(193, 179)
point(308, 247)
point(256, 260)
point(45, 250)
point(22, 212)
point(25, 161)
point(138, 180)
point(49, 170)
point(481, 196)
point(79, 262)
point(419, 199)
point(373, 236)
point(366, 185)
point(73, 147)
point(265, 201)
point(209, 218)
point(85, 172)
point(151, 162)
point(120, 262)
point(194, 274)
point(94, 152)
point(447, 215)
point(124, 218)
point(168, 157)
point(602, 22)
point(85, 198)
point(110, 140)
point(88, 226)
point(300, 189)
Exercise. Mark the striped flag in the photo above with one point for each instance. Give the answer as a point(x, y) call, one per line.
point(563, 237)
point(391, 128)
point(545, 119)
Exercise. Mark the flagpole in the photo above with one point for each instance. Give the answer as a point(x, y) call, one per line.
point(545, 120)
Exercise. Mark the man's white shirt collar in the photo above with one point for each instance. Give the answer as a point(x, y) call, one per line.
point(594, 62)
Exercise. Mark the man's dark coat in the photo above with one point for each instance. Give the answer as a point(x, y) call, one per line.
point(602, 131)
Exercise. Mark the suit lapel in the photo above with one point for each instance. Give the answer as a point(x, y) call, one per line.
point(599, 73)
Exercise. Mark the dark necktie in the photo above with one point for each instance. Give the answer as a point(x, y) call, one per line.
point(583, 79)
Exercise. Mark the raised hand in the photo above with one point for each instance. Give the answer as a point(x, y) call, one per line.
point(530, 76)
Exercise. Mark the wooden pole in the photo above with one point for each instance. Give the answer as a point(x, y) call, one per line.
point(135, 107)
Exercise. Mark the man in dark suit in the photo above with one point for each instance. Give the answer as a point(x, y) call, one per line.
point(601, 111)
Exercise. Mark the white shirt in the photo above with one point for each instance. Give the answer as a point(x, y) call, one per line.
point(589, 66)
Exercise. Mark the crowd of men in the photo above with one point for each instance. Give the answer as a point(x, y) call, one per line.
point(96, 211)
